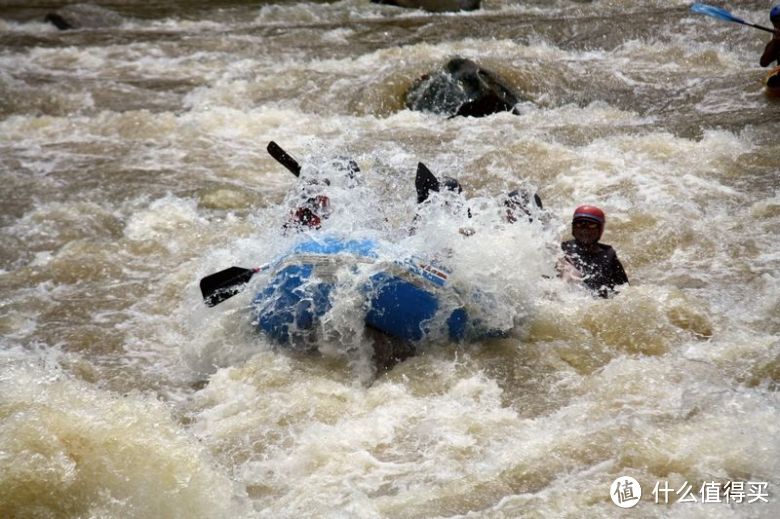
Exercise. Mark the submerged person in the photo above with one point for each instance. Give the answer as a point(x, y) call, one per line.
point(772, 49)
point(588, 261)
point(520, 205)
point(313, 206)
point(310, 214)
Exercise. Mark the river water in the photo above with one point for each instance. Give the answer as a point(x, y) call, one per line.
point(133, 163)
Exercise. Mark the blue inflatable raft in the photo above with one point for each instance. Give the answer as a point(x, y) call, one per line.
point(408, 298)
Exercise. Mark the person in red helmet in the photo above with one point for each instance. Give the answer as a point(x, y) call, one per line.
point(594, 264)
point(313, 207)
point(310, 214)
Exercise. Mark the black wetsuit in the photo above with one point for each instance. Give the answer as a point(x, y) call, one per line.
point(771, 53)
point(601, 271)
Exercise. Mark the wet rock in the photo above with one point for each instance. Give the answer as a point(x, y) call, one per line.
point(434, 6)
point(83, 16)
point(461, 88)
point(58, 21)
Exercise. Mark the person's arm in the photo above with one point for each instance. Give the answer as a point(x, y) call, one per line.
point(565, 265)
point(567, 271)
point(771, 51)
point(618, 274)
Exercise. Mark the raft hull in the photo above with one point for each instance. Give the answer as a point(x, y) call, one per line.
point(408, 299)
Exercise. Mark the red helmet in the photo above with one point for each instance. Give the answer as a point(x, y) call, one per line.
point(589, 212)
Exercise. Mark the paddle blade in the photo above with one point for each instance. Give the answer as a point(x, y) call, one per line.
point(284, 158)
point(424, 182)
point(716, 12)
point(224, 284)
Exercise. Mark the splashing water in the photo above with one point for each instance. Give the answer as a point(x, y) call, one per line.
point(132, 154)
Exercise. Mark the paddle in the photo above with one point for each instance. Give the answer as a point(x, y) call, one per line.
point(424, 182)
point(226, 283)
point(722, 14)
point(284, 158)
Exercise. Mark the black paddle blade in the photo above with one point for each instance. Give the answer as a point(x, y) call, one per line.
point(424, 182)
point(224, 284)
point(284, 158)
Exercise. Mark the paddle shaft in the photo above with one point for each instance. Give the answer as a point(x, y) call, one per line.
point(767, 29)
point(722, 14)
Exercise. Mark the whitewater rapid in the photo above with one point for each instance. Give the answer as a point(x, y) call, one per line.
point(133, 163)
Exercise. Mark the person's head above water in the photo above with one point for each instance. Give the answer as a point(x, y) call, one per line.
point(587, 224)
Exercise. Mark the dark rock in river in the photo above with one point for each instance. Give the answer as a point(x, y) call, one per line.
point(461, 88)
point(434, 6)
point(83, 16)
point(58, 21)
